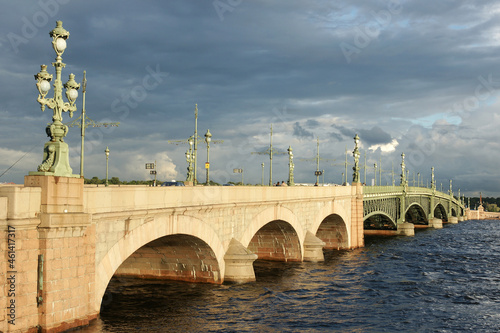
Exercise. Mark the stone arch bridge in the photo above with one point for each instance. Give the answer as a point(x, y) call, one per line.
point(69, 240)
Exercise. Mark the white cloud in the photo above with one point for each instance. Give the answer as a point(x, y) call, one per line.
point(385, 148)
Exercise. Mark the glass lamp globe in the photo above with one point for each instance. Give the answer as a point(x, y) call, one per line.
point(44, 86)
point(73, 94)
point(60, 44)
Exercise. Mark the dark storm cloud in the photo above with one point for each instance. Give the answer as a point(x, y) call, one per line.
point(301, 132)
point(347, 132)
point(372, 136)
point(312, 123)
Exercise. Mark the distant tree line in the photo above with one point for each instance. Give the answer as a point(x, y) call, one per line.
point(117, 181)
point(490, 204)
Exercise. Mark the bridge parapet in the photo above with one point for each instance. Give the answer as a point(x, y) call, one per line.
point(119, 199)
point(20, 202)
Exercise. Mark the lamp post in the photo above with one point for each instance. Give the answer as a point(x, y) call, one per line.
point(84, 122)
point(375, 174)
point(355, 154)
point(208, 138)
point(107, 162)
point(317, 173)
point(262, 181)
point(270, 151)
point(190, 160)
point(55, 155)
point(403, 171)
point(291, 166)
point(433, 182)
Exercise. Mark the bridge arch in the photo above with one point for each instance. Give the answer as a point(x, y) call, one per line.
point(159, 227)
point(379, 220)
point(453, 212)
point(416, 214)
point(331, 226)
point(276, 227)
point(440, 212)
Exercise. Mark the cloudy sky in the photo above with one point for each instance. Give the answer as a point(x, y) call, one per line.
point(417, 77)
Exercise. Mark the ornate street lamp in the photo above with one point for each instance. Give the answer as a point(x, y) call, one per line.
point(403, 171)
point(208, 138)
point(190, 160)
point(195, 140)
point(355, 153)
point(107, 162)
point(375, 174)
point(433, 182)
point(291, 166)
point(55, 153)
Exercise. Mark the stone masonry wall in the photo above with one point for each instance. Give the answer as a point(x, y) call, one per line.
point(69, 272)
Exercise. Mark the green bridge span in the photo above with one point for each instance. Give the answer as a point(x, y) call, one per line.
point(395, 208)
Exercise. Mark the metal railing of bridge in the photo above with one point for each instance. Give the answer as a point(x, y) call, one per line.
point(370, 192)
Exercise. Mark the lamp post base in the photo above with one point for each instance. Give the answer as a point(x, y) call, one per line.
point(55, 161)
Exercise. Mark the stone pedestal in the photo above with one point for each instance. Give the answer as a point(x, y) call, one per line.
point(453, 219)
point(66, 240)
point(461, 218)
point(435, 223)
point(59, 194)
point(313, 248)
point(406, 229)
point(55, 161)
point(357, 218)
point(239, 263)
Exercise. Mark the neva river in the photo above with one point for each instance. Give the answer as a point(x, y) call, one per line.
point(444, 280)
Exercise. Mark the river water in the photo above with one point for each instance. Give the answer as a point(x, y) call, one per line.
point(444, 280)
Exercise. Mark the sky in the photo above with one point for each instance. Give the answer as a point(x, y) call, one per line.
point(415, 77)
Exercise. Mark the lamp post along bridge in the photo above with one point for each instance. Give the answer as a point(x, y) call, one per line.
point(83, 121)
point(317, 159)
point(192, 153)
point(271, 151)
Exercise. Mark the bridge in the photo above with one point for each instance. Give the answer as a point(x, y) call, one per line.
point(399, 209)
point(63, 241)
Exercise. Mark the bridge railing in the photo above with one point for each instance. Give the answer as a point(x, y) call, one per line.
point(381, 191)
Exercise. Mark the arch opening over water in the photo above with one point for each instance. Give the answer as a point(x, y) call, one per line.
point(175, 257)
point(415, 214)
point(333, 232)
point(278, 241)
point(379, 221)
point(164, 232)
point(440, 213)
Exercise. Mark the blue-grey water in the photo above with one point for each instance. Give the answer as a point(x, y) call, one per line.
point(445, 280)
